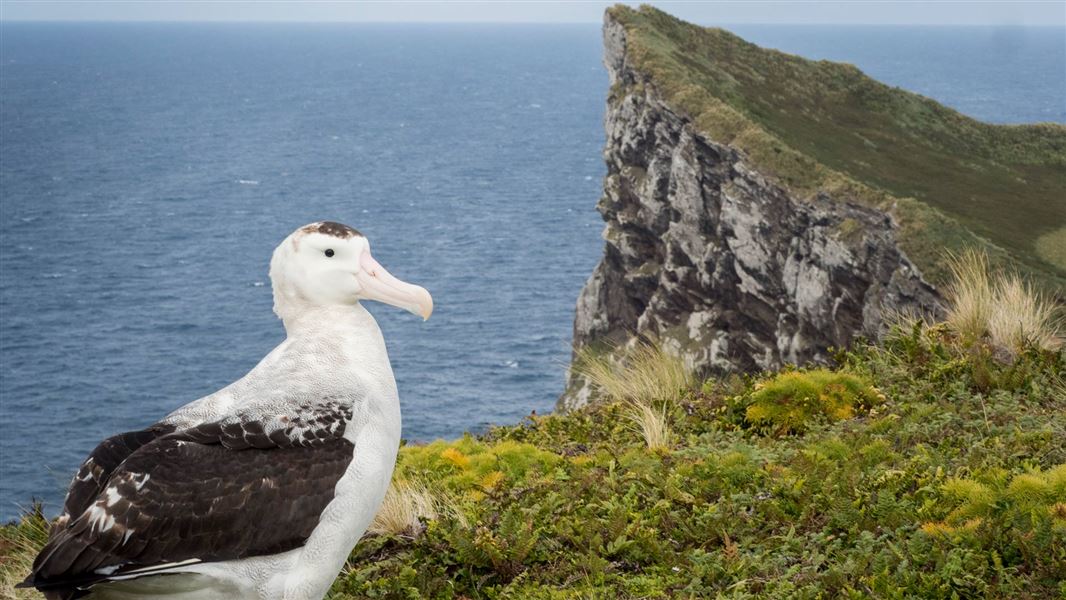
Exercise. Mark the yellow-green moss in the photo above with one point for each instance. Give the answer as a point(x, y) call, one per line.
point(788, 402)
point(470, 466)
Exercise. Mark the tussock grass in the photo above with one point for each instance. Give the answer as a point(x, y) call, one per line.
point(406, 505)
point(971, 295)
point(647, 378)
point(644, 373)
point(652, 424)
point(1001, 307)
point(1023, 316)
point(19, 544)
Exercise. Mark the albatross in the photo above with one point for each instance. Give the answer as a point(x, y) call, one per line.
point(260, 490)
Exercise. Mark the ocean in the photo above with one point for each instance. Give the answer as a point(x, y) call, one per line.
point(148, 170)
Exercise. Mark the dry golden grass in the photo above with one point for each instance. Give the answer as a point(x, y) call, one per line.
point(652, 424)
point(971, 295)
point(406, 505)
point(1001, 307)
point(644, 373)
point(20, 546)
point(646, 377)
point(1022, 315)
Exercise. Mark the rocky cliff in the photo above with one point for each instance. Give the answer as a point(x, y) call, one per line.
point(718, 261)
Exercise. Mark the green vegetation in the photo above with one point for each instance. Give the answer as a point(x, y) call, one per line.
point(1019, 507)
point(790, 401)
point(824, 126)
point(645, 377)
point(19, 543)
point(947, 480)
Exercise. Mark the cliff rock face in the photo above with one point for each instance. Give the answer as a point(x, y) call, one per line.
point(716, 261)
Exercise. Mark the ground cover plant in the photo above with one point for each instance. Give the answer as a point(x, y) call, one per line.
point(945, 479)
point(931, 464)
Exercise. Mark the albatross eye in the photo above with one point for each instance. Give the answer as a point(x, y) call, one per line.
point(329, 253)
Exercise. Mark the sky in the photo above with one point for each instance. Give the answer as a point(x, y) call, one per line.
point(883, 12)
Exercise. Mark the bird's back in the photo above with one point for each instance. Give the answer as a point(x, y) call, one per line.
point(247, 471)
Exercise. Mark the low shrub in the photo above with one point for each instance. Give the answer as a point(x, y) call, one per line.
point(1021, 518)
point(790, 401)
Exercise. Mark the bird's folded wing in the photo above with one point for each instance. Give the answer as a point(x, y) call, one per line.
point(219, 491)
point(97, 468)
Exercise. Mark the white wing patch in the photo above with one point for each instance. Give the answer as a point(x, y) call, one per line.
point(99, 516)
point(86, 471)
point(112, 496)
point(99, 519)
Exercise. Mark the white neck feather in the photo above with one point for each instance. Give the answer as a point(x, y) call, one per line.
point(304, 319)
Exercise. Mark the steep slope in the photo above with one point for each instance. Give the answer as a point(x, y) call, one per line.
point(824, 126)
point(761, 208)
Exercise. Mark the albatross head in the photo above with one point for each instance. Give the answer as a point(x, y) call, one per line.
point(329, 264)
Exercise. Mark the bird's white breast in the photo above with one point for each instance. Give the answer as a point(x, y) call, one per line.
point(341, 355)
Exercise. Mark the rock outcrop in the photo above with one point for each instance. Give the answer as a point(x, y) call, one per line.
point(718, 262)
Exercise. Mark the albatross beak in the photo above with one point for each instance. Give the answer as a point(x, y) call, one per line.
point(378, 284)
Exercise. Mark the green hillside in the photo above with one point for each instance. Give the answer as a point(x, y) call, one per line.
point(820, 125)
point(947, 480)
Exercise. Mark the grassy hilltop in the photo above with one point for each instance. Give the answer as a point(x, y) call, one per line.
point(932, 465)
point(824, 126)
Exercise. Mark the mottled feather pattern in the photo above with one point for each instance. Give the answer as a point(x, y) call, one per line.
point(202, 494)
point(97, 468)
point(310, 425)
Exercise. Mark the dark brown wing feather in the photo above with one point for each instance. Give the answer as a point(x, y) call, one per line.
point(219, 491)
point(97, 468)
